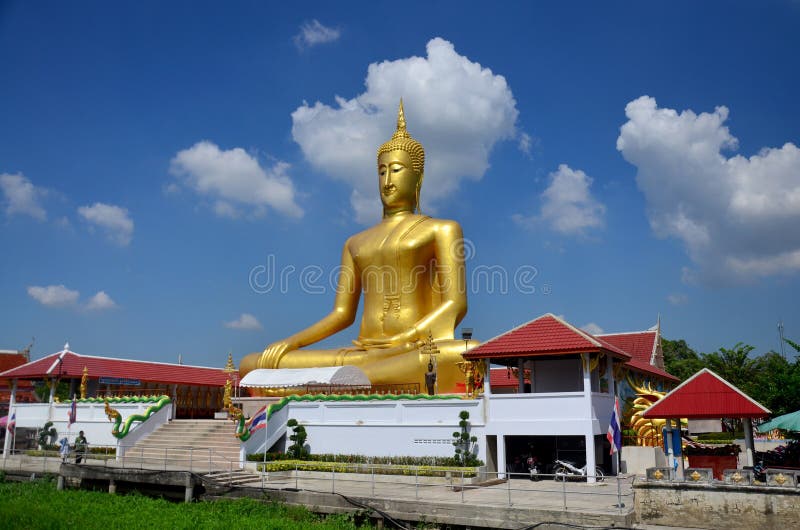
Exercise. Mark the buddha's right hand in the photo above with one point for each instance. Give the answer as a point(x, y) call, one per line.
point(274, 353)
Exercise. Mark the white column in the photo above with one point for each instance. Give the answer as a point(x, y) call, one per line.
point(747, 423)
point(487, 386)
point(521, 375)
point(588, 432)
point(11, 406)
point(501, 456)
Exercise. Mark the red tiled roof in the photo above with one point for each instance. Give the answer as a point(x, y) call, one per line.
point(72, 365)
point(503, 378)
point(546, 335)
point(706, 395)
point(639, 344)
point(646, 367)
point(11, 360)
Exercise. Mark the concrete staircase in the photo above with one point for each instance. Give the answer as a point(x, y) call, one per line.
point(191, 445)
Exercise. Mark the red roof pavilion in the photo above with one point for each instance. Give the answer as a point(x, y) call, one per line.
point(68, 364)
point(706, 395)
point(544, 336)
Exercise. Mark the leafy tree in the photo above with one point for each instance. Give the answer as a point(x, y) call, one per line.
point(769, 378)
point(42, 390)
point(777, 383)
point(298, 436)
point(679, 359)
point(734, 365)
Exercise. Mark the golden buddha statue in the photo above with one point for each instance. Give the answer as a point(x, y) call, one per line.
point(410, 269)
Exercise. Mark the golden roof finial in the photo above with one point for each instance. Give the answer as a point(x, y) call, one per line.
point(229, 366)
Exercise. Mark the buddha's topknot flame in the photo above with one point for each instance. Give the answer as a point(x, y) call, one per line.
point(403, 141)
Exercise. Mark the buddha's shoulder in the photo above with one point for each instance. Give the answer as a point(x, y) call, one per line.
point(413, 222)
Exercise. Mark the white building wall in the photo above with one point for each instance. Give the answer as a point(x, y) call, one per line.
point(387, 428)
point(92, 419)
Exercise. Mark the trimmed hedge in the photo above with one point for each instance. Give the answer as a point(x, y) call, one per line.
point(341, 467)
point(436, 461)
point(719, 437)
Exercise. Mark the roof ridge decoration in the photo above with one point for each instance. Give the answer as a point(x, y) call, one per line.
point(643, 332)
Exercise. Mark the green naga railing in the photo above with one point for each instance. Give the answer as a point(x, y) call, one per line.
point(119, 429)
point(243, 433)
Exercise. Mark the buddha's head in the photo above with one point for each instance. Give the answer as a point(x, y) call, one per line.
point(401, 165)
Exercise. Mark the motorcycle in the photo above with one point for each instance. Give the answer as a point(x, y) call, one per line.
point(533, 468)
point(563, 470)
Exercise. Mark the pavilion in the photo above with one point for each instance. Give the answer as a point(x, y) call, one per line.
point(706, 395)
point(196, 391)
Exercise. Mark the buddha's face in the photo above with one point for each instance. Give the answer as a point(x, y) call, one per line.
point(397, 181)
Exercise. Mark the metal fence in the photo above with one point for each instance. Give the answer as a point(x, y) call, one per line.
point(612, 495)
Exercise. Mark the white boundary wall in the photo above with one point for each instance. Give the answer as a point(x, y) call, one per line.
point(387, 428)
point(92, 419)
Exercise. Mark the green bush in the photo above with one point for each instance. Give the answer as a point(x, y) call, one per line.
point(718, 437)
point(445, 461)
point(341, 467)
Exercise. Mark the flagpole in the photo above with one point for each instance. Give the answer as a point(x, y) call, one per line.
point(619, 485)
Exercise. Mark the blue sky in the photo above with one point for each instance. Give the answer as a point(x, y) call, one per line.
point(623, 161)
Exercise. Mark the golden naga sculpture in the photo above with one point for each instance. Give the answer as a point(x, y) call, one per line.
point(410, 269)
point(648, 430)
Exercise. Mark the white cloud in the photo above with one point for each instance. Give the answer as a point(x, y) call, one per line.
point(313, 33)
point(245, 321)
point(233, 179)
point(53, 295)
point(116, 222)
point(100, 301)
point(592, 328)
point(455, 107)
point(525, 143)
point(737, 216)
point(568, 206)
point(678, 298)
point(20, 196)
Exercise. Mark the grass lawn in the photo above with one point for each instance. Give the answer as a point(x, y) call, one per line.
point(38, 505)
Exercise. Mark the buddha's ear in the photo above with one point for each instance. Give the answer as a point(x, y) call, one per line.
point(419, 187)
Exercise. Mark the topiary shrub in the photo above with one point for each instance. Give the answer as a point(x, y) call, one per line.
point(464, 443)
point(298, 437)
point(47, 435)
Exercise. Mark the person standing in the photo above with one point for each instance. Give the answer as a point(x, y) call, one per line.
point(80, 447)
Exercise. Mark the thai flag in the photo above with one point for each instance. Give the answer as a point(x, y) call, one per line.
point(259, 420)
point(12, 423)
point(614, 433)
point(73, 413)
